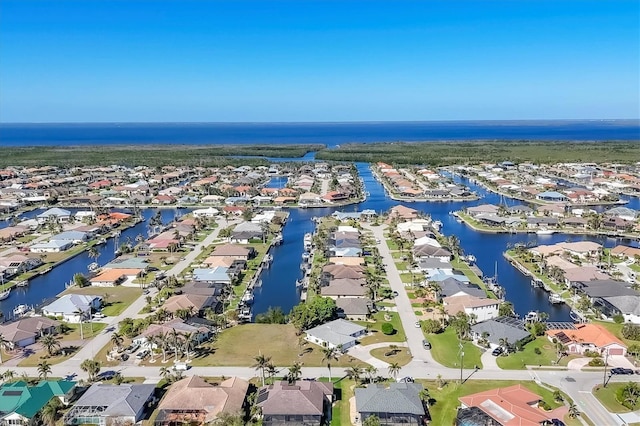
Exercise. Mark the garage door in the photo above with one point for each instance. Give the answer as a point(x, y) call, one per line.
point(616, 351)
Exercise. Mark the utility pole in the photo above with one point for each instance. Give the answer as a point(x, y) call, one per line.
point(604, 375)
point(461, 360)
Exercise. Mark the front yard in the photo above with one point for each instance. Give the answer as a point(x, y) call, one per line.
point(528, 356)
point(375, 329)
point(445, 349)
point(399, 355)
point(116, 299)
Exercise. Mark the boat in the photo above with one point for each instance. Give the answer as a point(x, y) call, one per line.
point(22, 283)
point(545, 231)
point(93, 267)
point(45, 271)
point(247, 297)
point(555, 298)
point(537, 283)
point(308, 241)
point(306, 256)
point(437, 225)
point(20, 310)
point(277, 240)
point(101, 241)
point(532, 316)
point(5, 294)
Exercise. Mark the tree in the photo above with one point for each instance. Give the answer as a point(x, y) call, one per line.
point(505, 309)
point(431, 326)
point(573, 410)
point(93, 253)
point(354, 374)
point(394, 369)
point(117, 340)
point(228, 419)
point(319, 310)
point(8, 375)
point(371, 372)
point(91, 367)
point(425, 396)
point(261, 362)
point(295, 371)
point(80, 280)
point(4, 343)
point(630, 394)
point(372, 420)
point(49, 412)
point(44, 369)
point(50, 344)
point(81, 314)
point(329, 353)
point(271, 370)
point(461, 323)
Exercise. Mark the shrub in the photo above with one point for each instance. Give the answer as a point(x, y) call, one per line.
point(431, 326)
point(596, 362)
point(631, 331)
point(387, 328)
point(543, 405)
point(591, 354)
point(537, 351)
point(618, 319)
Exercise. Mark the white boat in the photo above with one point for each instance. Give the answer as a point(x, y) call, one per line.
point(555, 298)
point(101, 241)
point(306, 256)
point(308, 241)
point(537, 283)
point(437, 225)
point(545, 231)
point(92, 267)
point(532, 316)
point(20, 310)
point(247, 297)
point(5, 294)
point(22, 283)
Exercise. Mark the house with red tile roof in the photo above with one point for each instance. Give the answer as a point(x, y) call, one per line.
point(511, 406)
point(592, 337)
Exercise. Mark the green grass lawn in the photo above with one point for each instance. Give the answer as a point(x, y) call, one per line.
point(518, 360)
point(401, 355)
point(444, 409)
point(377, 335)
point(607, 396)
point(117, 299)
point(616, 329)
point(344, 390)
point(445, 349)
point(239, 345)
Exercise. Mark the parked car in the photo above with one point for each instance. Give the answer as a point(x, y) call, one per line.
point(426, 344)
point(132, 348)
point(98, 315)
point(142, 354)
point(107, 375)
point(124, 357)
point(417, 324)
point(620, 370)
point(406, 380)
point(497, 351)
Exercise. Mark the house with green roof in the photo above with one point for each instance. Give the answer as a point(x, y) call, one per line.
point(20, 402)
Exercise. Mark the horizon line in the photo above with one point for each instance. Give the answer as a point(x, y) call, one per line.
point(543, 120)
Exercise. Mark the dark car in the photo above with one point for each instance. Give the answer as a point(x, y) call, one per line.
point(627, 371)
point(497, 351)
point(620, 370)
point(107, 375)
point(426, 344)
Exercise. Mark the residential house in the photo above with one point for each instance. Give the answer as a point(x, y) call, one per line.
point(24, 331)
point(105, 404)
point(51, 246)
point(338, 333)
point(235, 251)
point(244, 232)
point(592, 337)
point(54, 214)
point(217, 274)
point(499, 330)
point(511, 406)
point(481, 308)
point(344, 287)
point(76, 237)
point(193, 400)
point(305, 402)
point(21, 402)
point(175, 325)
point(70, 306)
point(354, 308)
point(114, 277)
point(397, 404)
point(192, 302)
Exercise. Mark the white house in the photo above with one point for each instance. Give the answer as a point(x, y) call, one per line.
point(483, 309)
point(53, 246)
point(69, 306)
point(58, 214)
point(209, 212)
point(338, 333)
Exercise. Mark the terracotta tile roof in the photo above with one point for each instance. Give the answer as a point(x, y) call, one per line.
point(590, 333)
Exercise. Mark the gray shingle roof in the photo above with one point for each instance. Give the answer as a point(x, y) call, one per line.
point(499, 330)
point(337, 332)
point(398, 398)
point(120, 400)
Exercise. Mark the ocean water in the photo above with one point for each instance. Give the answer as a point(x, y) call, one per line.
point(331, 134)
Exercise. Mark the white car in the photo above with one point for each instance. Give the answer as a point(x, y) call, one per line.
point(98, 315)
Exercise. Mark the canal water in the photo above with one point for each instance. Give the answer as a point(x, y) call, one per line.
point(278, 283)
point(47, 286)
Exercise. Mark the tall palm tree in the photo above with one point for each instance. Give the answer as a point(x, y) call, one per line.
point(91, 367)
point(425, 396)
point(49, 412)
point(371, 372)
point(394, 369)
point(50, 344)
point(271, 370)
point(165, 373)
point(354, 373)
point(573, 410)
point(9, 375)
point(44, 369)
point(330, 353)
point(116, 340)
point(164, 346)
point(189, 344)
point(81, 315)
point(4, 343)
point(261, 362)
point(295, 371)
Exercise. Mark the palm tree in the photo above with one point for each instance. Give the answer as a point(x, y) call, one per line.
point(189, 344)
point(49, 412)
point(425, 396)
point(44, 369)
point(50, 343)
point(9, 375)
point(164, 345)
point(81, 315)
point(330, 353)
point(573, 410)
point(165, 373)
point(91, 367)
point(354, 374)
point(261, 362)
point(93, 253)
point(271, 370)
point(295, 371)
point(371, 372)
point(4, 343)
point(117, 339)
point(394, 369)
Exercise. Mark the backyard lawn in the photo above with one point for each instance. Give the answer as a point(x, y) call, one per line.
point(444, 409)
point(377, 335)
point(400, 355)
point(445, 350)
point(239, 345)
point(344, 389)
point(116, 299)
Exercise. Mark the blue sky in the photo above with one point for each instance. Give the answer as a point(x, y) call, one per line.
point(196, 60)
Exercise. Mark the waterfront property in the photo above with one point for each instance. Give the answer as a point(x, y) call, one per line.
point(335, 334)
point(73, 308)
point(589, 337)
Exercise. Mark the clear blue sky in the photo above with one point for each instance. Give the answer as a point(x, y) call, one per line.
point(197, 60)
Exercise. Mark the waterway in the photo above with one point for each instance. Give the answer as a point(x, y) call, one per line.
point(278, 283)
point(47, 286)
